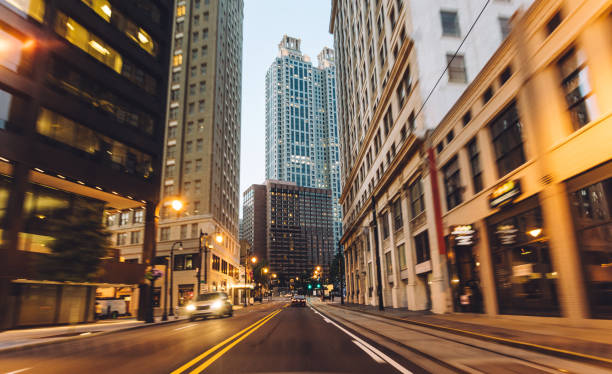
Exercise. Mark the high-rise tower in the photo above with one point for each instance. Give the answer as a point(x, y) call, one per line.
point(301, 122)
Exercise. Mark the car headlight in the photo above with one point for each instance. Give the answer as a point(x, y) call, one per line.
point(190, 307)
point(216, 305)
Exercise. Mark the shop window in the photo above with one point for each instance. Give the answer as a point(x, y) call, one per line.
point(421, 245)
point(223, 266)
point(592, 213)
point(385, 225)
point(475, 168)
point(398, 221)
point(452, 183)
point(388, 263)
point(156, 297)
point(575, 82)
point(401, 252)
point(184, 262)
point(506, 132)
point(417, 199)
point(185, 294)
point(216, 263)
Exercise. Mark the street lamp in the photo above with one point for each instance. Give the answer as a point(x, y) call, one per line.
point(246, 267)
point(180, 244)
point(202, 246)
point(149, 253)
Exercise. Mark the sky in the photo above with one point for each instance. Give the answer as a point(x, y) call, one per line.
point(265, 23)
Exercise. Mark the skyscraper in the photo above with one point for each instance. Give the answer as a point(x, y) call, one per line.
point(301, 122)
point(202, 145)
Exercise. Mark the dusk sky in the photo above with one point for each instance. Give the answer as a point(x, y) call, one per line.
point(265, 23)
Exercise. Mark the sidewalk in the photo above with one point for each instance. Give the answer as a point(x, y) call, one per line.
point(549, 337)
point(11, 340)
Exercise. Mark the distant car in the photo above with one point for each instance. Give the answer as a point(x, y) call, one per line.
point(298, 300)
point(111, 308)
point(210, 304)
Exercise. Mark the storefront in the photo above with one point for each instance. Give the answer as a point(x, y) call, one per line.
point(525, 280)
point(590, 195)
point(464, 265)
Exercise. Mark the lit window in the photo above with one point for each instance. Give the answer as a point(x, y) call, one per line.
point(177, 60)
point(32, 8)
point(180, 10)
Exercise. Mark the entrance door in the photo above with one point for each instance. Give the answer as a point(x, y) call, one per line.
point(468, 295)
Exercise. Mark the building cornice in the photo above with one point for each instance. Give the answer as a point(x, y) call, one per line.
point(332, 17)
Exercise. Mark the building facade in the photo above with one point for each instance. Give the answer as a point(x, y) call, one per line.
point(398, 73)
point(525, 185)
point(81, 124)
point(254, 219)
point(301, 122)
point(202, 151)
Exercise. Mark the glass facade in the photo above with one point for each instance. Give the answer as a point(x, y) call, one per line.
point(592, 213)
point(11, 109)
point(16, 50)
point(31, 8)
point(524, 276)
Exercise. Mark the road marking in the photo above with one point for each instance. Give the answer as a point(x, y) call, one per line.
point(211, 350)
point(17, 371)
point(208, 362)
point(370, 353)
point(388, 359)
point(184, 327)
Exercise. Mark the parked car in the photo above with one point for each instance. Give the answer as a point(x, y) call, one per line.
point(298, 300)
point(111, 308)
point(210, 304)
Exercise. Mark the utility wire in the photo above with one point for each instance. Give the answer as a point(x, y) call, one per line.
point(452, 58)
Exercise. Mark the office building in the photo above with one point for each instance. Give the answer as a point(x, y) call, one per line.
point(202, 151)
point(81, 124)
point(254, 219)
point(301, 122)
point(397, 76)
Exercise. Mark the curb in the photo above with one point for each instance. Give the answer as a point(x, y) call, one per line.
point(28, 346)
point(601, 361)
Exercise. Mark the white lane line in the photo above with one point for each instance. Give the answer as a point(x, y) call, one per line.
point(388, 359)
point(370, 353)
point(184, 327)
point(17, 371)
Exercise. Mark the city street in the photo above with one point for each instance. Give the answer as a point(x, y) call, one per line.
point(276, 338)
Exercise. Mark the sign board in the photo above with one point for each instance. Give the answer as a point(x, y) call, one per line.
point(463, 235)
point(506, 234)
point(505, 194)
point(523, 270)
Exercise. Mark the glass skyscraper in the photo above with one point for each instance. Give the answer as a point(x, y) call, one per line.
point(301, 122)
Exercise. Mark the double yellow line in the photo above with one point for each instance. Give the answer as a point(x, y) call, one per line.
point(239, 336)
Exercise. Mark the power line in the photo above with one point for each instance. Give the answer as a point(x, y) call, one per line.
point(452, 58)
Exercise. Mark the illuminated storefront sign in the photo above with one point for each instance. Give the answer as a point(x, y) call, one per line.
point(463, 235)
point(505, 193)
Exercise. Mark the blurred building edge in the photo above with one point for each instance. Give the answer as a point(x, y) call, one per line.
point(514, 185)
point(82, 89)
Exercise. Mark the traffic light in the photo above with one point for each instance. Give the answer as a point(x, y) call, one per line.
point(310, 286)
point(318, 285)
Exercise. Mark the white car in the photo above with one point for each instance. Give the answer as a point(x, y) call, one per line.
point(111, 308)
point(210, 304)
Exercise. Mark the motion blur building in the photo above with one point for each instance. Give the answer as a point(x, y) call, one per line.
point(297, 227)
point(301, 122)
point(397, 76)
point(202, 152)
point(254, 219)
point(82, 93)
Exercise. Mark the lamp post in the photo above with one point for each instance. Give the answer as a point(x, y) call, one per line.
point(203, 247)
point(149, 248)
point(341, 272)
point(171, 289)
point(378, 275)
point(246, 267)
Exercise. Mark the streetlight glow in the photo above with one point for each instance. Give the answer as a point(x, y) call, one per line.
point(265, 270)
point(273, 275)
point(253, 259)
point(318, 268)
point(219, 238)
point(177, 205)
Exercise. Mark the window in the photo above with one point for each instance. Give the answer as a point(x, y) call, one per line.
point(198, 164)
point(122, 238)
point(139, 216)
point(180, 27)
point(204, 34)
point(388, 121)
point(575, 83)
point(196, 20)
point(171, 151)
point(192, 89)
point(177, 60)
point(467, 117)
point(16, 51)
point(440, 147)
point(164, 233)
point(176, 77)
point(197, 4)
point(421, 245)
point(223, 266)
point(169, 171)
point(183, 231)
point(180, 10)
point(189, 127)
point(385, 225)
point(202, 87)
point(190, 108)
point(456, 68)
point(450, 136)
point(504, 26)
point(203, 69)
point(398, 222)
point(10, 108)
point(188, 147)
point(452, 183)
point(507, 138)
point(401, 253)
point(186, 187)
point(205, 16)
point(404, 87)
point(178, 44)
point(184, 262)
point(216, 262)
point(135, 237)
point(187, 167)
point(198, 186)
point(450, 23)
point(388, 263)
point(193, 71)
point(194, 230)
point(32, 8)
point(487, 95)
point(417, 198)
point(201, 106)
point(505, 75)
point(474, 155)
point(196, 37)
point(204, 51)
point(172, 132)
point(199, 145)
point(554, 22)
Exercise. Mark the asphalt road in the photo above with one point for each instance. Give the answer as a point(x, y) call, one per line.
point(267, 338)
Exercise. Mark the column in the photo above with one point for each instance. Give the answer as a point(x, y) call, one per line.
point(486, 269)
point(409, 246)
point(395, 290)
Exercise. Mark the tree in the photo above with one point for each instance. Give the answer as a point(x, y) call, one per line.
point(80, 242)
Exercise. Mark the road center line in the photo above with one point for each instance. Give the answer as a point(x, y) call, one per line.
point(211, 350)
point(388, 359)
point(208, 362)
point(369, 352)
